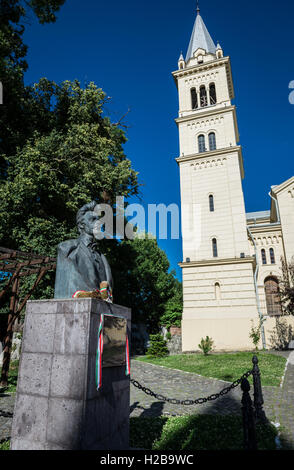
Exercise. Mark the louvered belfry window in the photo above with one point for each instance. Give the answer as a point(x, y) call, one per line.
point(194, 98)
point(212, 93)
point(203, 96)
point(272, 296)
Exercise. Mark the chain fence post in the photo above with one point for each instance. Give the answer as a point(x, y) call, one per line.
point(258, 397)
point(250, 441)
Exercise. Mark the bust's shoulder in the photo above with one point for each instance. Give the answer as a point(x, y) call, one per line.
point(67, 246)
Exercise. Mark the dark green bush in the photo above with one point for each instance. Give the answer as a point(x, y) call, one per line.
point(157, 347)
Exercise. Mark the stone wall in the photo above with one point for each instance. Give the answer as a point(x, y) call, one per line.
point(174, 345)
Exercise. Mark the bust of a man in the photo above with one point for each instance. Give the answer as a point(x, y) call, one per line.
point(79, 265)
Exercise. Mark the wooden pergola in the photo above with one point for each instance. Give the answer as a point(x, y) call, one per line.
point(15, 265)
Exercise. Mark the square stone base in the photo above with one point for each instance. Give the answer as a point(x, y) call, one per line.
point(57, 405)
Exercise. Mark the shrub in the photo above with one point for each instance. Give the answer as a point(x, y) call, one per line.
point(255, 333)
point(206, 345)
point(157, 347)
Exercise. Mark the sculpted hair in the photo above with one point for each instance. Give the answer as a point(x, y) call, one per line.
point(82, 211)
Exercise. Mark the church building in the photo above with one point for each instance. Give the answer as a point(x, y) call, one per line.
point(232, 262)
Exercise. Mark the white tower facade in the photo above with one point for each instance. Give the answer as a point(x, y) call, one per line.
point(218, 269)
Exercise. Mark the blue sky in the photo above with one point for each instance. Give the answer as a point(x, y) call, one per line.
point(130, 48)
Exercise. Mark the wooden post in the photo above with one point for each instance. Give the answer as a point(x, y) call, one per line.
point(9, 334)
point(250, 442)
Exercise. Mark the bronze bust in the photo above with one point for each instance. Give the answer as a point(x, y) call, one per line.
point(79, 265)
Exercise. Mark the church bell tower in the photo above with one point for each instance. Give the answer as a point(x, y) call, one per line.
point(218, 282)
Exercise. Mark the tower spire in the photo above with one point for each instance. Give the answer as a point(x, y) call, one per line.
point(198, 9)
point(200, 37)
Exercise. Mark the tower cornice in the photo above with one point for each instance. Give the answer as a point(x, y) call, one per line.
point(214, 154)
point(207, 66)
point(265, 228)
point(201, 67)
point(206, 112)
point(208, 154)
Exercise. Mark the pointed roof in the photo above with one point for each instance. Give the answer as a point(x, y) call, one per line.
point(200, 38)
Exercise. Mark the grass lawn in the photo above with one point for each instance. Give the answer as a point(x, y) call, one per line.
point(227, 366)
point(196, 432)
point(5, 445)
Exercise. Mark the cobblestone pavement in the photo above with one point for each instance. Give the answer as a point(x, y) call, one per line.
point(278, 401)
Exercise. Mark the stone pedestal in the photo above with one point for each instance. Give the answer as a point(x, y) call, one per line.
point(57, 405)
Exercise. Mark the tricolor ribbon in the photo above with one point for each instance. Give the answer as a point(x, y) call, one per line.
point(128, 368)
point(99, 354)
point(77, 292)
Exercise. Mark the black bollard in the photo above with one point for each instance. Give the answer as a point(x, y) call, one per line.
point(250, 441)
point(258, 398)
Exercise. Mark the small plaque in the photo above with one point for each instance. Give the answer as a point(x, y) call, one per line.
point(114, 341)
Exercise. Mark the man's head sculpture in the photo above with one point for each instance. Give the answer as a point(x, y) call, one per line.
point(81, 270)
point(87, 219)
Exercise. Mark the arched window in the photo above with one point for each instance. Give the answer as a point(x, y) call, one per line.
point(211, 203)
point(212, 93)
point(203, 96)
point(194, 98)
point(272, 256)
point(201, 143)
point(217, 291)
point(214, 248)
point(212, 141)
point(272, 296)
point(263, 256)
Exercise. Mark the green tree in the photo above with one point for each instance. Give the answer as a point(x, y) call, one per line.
point(80, 158)
point(172, 315)
point(16, 121)
point(142, 280)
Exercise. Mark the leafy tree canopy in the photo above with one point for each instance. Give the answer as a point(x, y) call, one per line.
point(143, 281)
point(79, 157)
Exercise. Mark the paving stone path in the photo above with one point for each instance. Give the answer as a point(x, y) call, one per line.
point(279, 401)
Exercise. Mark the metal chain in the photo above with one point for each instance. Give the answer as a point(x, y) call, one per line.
point(5, 414)
point(198, 401)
